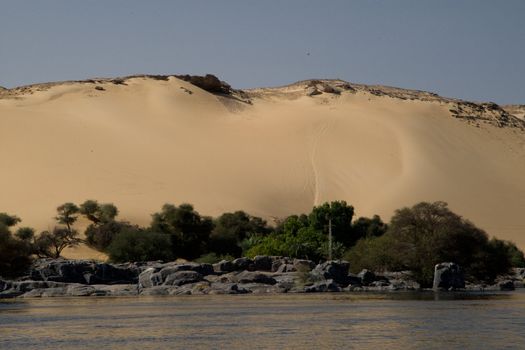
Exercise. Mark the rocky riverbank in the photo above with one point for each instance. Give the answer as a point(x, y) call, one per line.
point(263, 274)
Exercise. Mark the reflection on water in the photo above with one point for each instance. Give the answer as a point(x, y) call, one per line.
point(409, 321)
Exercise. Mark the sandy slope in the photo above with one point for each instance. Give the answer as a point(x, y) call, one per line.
point(150, 142)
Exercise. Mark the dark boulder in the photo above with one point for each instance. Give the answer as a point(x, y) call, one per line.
point(284, 268)
point(180, 278)
point(61, 270)
point(312, 91)
point(336, 270)
point(242, 264)
point(278, 262)
point(150, 278)
point(448, 276)
point(112, 274)
point(223, 266)
point(303, 265)
point(519, 272)
point(327, 88)
point(222, 278)
point(353, 279)
point(83, 271)
point(169, 274)
point(254, 277)
point(203, 269)
point(4, 285)
point(263, 263)
point(209, 82)
point(197, 288)
point(323, 286)
point(366, 277)
point(506, 285)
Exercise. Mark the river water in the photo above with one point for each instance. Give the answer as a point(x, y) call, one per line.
point(305, 321)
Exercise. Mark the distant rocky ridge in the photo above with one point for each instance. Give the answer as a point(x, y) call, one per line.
point(209, 82)
point(471, 112)
point(263, 274)
point(474, 113)
point(516, 110)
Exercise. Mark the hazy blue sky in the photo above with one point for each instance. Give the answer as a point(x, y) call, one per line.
point(472, 49)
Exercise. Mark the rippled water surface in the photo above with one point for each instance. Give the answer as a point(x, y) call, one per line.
point(322, 321)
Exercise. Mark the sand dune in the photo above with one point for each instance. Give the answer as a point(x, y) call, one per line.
point(271, 152)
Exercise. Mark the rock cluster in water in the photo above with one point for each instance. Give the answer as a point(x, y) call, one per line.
point(263, 274)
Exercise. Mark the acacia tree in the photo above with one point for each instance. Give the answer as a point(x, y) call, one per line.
point(97, 213)
point(103, 228)
point(429, 233)
point(52, 243)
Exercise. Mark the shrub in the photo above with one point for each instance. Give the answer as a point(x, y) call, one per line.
point(306, 244)
point(373, 253)
point(15, 251)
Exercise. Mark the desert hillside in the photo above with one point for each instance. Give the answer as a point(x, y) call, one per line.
point(142, 141)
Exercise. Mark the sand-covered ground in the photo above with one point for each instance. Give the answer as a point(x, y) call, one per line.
point(271, 152)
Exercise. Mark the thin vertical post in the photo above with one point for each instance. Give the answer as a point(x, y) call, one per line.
point(330, 239)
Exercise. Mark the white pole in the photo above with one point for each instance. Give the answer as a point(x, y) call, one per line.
point(330, 239)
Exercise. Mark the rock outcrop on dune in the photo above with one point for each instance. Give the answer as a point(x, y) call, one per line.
point(516, 110)
point(142, 141)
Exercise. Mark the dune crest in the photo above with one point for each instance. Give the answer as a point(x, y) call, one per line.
point(142, 141)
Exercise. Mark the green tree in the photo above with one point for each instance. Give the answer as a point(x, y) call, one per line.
point(189, 231)
point(100, 236)
point(231, 229)
point(429, 233)
point(340, 214)
point(15, 253)
point(368, 227)
point(9, 220)
point(26, 234)
point(516, 256)
point(134, 244)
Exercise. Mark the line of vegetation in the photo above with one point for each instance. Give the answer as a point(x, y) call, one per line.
point(416, 238)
